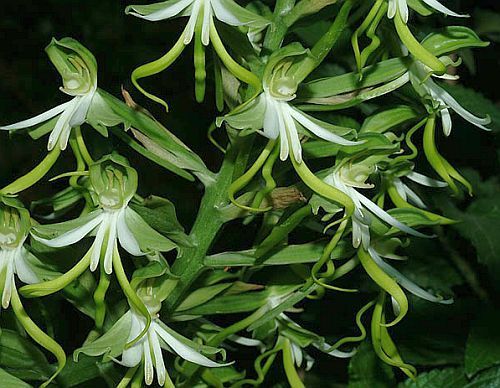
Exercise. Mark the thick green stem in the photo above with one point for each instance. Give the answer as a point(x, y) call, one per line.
point(278, 29)
point(189, 264)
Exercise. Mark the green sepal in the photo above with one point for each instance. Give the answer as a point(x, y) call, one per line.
point(452, 39)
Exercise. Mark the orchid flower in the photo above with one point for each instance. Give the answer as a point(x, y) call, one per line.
point(15, 259)
point(78, 69)
point(114, 183)
point(426, 87)
point(148, 351)
point(402, 7)
point(272, 114)
point(199, 11)
point(346, 179)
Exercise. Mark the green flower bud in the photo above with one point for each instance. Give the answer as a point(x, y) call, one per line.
point(14, 223)
point(75, 63)
point(113, 181)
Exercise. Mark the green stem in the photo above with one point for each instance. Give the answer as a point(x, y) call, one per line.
point(326, 43)
point(32, 177)
point(83, 147)
point(289, 364)
point(128, 377)
point(277, 30)
point(129, 292)
point(100, 297)
point(38, 335)
point(189, 265)
point(245, 179)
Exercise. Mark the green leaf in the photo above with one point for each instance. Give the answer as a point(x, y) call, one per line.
point(438, 378)
point(147, 237)
point(451, 39)
point(487, 379)
point(160, 214)
point(388, 119)
point(111, 343)
point(20, 357)
point(367, 370)
point(382, 72)
point(202, 295)
point(86, 369)
point(290, 254)
point(483, 345)
point(9, 381)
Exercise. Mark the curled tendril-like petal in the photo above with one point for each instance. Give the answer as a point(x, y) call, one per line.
point(359, 323)
point(38, 335)
point(383, 345)
point(245, 179)
point(385, 282)
point(443, 168)
point(369, 25)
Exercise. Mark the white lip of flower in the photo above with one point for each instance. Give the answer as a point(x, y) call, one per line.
point(13, 262)
point(363, 207)
point(149, 349)
point(224, 10)
point(447, 102)
point(408, 194)
point(404, 281)
point(106, 224)
point(297, 352)
point(280, 120)
point(402, 7)
point(72, 114)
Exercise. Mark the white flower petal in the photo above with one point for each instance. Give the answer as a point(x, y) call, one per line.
point(62, 125)
point(174, 8)
point(161, 371)
point(405, 282)
point(37, 119)
point(21, 267)
point(441, 8)
point(97, 245)
point(391, 10)
point(448, 99)
point(293, 135)
point(149, 372)
point(207, 19)
point(271, 118)
point(446, 121)
point(72, 236)
point(386, 217)
point(319, 131)
point(9, 280)
point(126, 237)
point(225, 15)
point(191, 24)
point(184, 351)
point(111, 243)
point(425, 180)
point(403, 10)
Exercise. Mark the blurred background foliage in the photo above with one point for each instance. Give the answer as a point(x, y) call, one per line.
point(461, 340)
